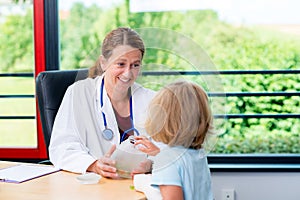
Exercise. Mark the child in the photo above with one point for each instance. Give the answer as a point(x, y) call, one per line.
point(180, 117)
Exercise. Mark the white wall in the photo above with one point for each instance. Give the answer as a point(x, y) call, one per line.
point(258, 185)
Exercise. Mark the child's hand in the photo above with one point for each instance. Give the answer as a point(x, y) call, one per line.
point(146, 146)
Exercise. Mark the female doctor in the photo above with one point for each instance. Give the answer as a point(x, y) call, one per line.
point(98, 113)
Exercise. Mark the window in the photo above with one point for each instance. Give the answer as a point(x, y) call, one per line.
point(253, 61)
point(251, 52)
point(17, 102)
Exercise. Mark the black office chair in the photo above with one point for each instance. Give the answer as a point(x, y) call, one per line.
point(50, 89)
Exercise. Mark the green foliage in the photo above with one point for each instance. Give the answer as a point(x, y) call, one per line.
point(16, 49)
point(79, 36)
point(259, 141)
point(229, 47)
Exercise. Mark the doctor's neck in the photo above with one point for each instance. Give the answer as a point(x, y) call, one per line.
point(115, 93)
point(121, 103)
point(117, 96)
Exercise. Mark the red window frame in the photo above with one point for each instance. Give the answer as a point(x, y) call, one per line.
point(40, 152)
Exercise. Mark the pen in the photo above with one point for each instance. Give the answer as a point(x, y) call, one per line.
point(2, 179)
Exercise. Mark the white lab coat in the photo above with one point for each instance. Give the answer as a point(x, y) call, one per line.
point(76, 140)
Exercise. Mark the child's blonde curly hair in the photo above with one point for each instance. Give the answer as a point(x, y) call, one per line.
point(180, 115)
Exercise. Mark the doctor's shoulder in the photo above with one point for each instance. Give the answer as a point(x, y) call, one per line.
point(139, 90)
point(87, 85)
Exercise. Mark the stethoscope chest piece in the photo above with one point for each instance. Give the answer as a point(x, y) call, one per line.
point(108, 134)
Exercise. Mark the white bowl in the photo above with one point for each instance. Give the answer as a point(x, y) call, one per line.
point(89, 178)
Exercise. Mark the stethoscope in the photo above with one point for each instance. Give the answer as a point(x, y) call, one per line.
point(107, 133)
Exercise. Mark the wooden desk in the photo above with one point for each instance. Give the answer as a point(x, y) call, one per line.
point(63, 185)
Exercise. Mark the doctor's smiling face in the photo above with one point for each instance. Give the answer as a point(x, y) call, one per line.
point(121, 69)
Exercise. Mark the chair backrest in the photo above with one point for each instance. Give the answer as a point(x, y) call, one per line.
point(50, 89)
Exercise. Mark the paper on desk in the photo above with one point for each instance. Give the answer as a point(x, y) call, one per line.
point(25, 172)
point(142, 183)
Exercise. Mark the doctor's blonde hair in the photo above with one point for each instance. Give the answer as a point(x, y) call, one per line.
point(179, 115)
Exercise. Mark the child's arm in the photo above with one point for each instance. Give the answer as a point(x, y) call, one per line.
point(171, 192)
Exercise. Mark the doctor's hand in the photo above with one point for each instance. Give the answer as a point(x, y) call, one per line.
point(144, 167)
point(105, 166)
point(145, 145)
